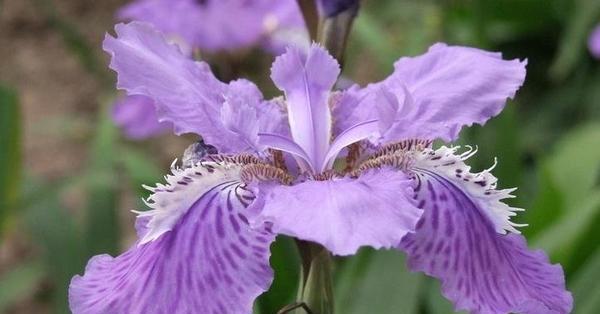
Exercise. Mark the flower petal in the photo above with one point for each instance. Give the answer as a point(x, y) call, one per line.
point(137, 117)
point(212, 25)
point(307, 81)
point(209, 261)
point(459, 240)
point(342, 214)
point(351, 135)
point(448, 87)
point(186, 92)
point(594, 42)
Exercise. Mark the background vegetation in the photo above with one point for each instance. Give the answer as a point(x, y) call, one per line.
point(68, 178)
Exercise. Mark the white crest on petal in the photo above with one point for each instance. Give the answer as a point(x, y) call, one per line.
point(170, 201)
point(480, 186)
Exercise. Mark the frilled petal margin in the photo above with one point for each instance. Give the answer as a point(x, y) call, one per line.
point(136, 116)
point(457, 241)
point(342, 214)
point(186, 93)
point(209, 261)
point(435, 94)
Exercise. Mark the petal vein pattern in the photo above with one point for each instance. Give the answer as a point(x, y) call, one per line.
point(460, 240)
point(481, 187)
point(210, 261)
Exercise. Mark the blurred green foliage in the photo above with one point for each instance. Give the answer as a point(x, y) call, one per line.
point(10, 153)
point(547, 143)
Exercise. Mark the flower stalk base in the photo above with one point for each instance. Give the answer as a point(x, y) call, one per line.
point(316, 287)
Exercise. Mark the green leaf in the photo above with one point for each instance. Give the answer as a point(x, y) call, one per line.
point(102, 231)
point(52, 228)
point(560, 238)
point(575, 164)
point(285, 263)
point(547, 207)
point(383, 286)
point(10, 153)
point(436, 303)
point(19, 282)
point(139, 167)
point(573, 42)
point(586, 286)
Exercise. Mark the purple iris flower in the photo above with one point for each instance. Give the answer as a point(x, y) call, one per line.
point(211, 26)
point(216, 25)
point(204, 245)
point(594, 42)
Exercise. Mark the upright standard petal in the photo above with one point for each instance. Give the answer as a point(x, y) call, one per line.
point(459, 240)
point(442, 91)
point(196, 254)
point(185, 92)
point(136, 116)
point(342, 214)
point(307, 81)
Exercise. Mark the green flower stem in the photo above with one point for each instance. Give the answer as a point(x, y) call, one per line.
point(316, 286)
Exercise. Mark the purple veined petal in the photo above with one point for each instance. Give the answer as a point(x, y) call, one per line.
point(342, 214)
point(136, 116)
point(186, 93)
point(287, 145)
point(352, 135)
point(594, 42)
point(209, 261)
point(307, 81)
point(450, 86)
point(460, 241)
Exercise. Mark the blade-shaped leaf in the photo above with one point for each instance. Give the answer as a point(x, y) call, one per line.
point(102, 232)
point(10, 152)
point(384, 286)
point(285, 262)
point(586, 286)
point(52, 228)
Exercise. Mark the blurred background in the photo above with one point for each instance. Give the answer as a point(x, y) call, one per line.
point(68, 178)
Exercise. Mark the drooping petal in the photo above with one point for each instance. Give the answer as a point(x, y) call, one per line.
point(449, 87)
point(307, 81)
point(196, 252)
point(342, 214)
point(460, 241)
point(137, 117)
point(594, 42)
point(186, 92)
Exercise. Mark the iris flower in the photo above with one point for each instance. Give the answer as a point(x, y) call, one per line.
point(204, 244)
point(208, 25)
